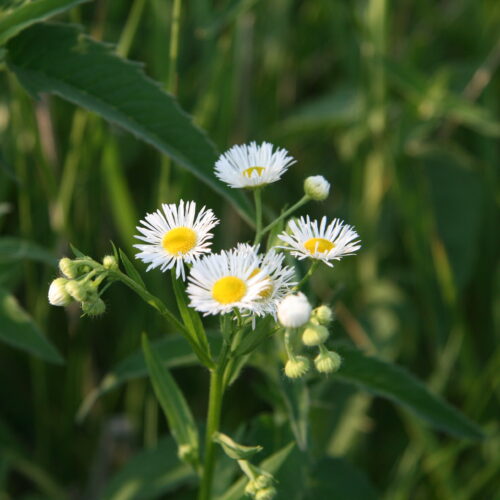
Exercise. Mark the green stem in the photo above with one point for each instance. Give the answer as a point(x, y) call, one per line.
point(213, 419)
point(285, 214)
point(130, 29)
point(257, 196)
point(309, 273)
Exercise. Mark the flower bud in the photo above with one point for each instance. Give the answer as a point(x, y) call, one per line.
point(69, 268)
point(94, 307)
point(109, 262)
point(81, 291)
point(327, 362)
point(317, 187)
point(187, 453)
point(266, 494)
point(297, 367)
point(251, 488)
point(322, 315)
point(58, 296)
point(314, 335)
point(264, 480)
point(294, 311)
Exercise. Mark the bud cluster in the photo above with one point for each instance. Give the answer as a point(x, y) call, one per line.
point(80, 283)
point(260, 483)
point(296, 312)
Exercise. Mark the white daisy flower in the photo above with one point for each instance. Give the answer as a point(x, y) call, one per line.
point(250, 165)
point(280, 278)
point(174, 235)
point(220, 283)
point(308, 239)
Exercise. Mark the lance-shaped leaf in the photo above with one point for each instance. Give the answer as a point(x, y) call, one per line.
point(395, 383)
point(179, 417)
point(59, 59)
point(18, 19)
point(235, 450)
point(19, 330)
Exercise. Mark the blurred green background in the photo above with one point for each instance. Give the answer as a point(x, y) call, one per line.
point(396, 104)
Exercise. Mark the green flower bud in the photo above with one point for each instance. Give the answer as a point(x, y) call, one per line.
point(187, 453)
point(251, 488)
point(266, 494)
point(81, 291)
point(94, 307)
point(58, 296)
point(69, 268)
point(317, 187)
point(297, 367)
point(314, 335)
point(327, 362)
point(109, 262)
point(322, 315)
point(264, 480)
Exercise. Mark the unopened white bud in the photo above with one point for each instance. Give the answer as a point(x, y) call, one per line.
point(314, 335)
point(294, 311)
point(317, 187)
point(297, 367)
point(58, 296)
point(327, 362)
point(322, 315)
point(109, 262)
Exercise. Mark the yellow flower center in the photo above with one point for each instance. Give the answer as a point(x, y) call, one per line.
point(321, 245)
point(179, 240)
point(268, 289)
point(229, 289)
point(249, 171)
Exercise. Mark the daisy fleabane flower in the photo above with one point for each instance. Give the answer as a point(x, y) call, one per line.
point(252, 165)
point(317, 240)
point(175, 235)
point(280, 278)
point(220, 283)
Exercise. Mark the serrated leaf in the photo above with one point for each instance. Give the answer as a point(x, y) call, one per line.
point(26, 15)
point(177, 412)
point(173, 351)
point(130, 268)
point(19, 330)
point(394, 383)
point(59, 59)
point(149, 474)
point(271, 464)
point(15, 249)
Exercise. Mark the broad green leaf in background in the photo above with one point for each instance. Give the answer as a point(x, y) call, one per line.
point(15, 250)
point(62, 60)
point(271, 464)
point(396, 384)
point(19, 330)
point(336, 478)
point(173, 351)
point(150, 474)
point(179, 417)
point(22, 17)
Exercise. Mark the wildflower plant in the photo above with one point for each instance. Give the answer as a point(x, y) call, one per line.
point(252, 288)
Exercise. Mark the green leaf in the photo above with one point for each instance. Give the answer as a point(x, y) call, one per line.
point(271, 465)
point(16, 249)
point(235, 450)
point(30, 13)
point(150, 474)
point(173, 351)
point(61, 60)
point(172, 401)
point(396, 384)
point(130, 268)
point(337, 478)
point(19, 330)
